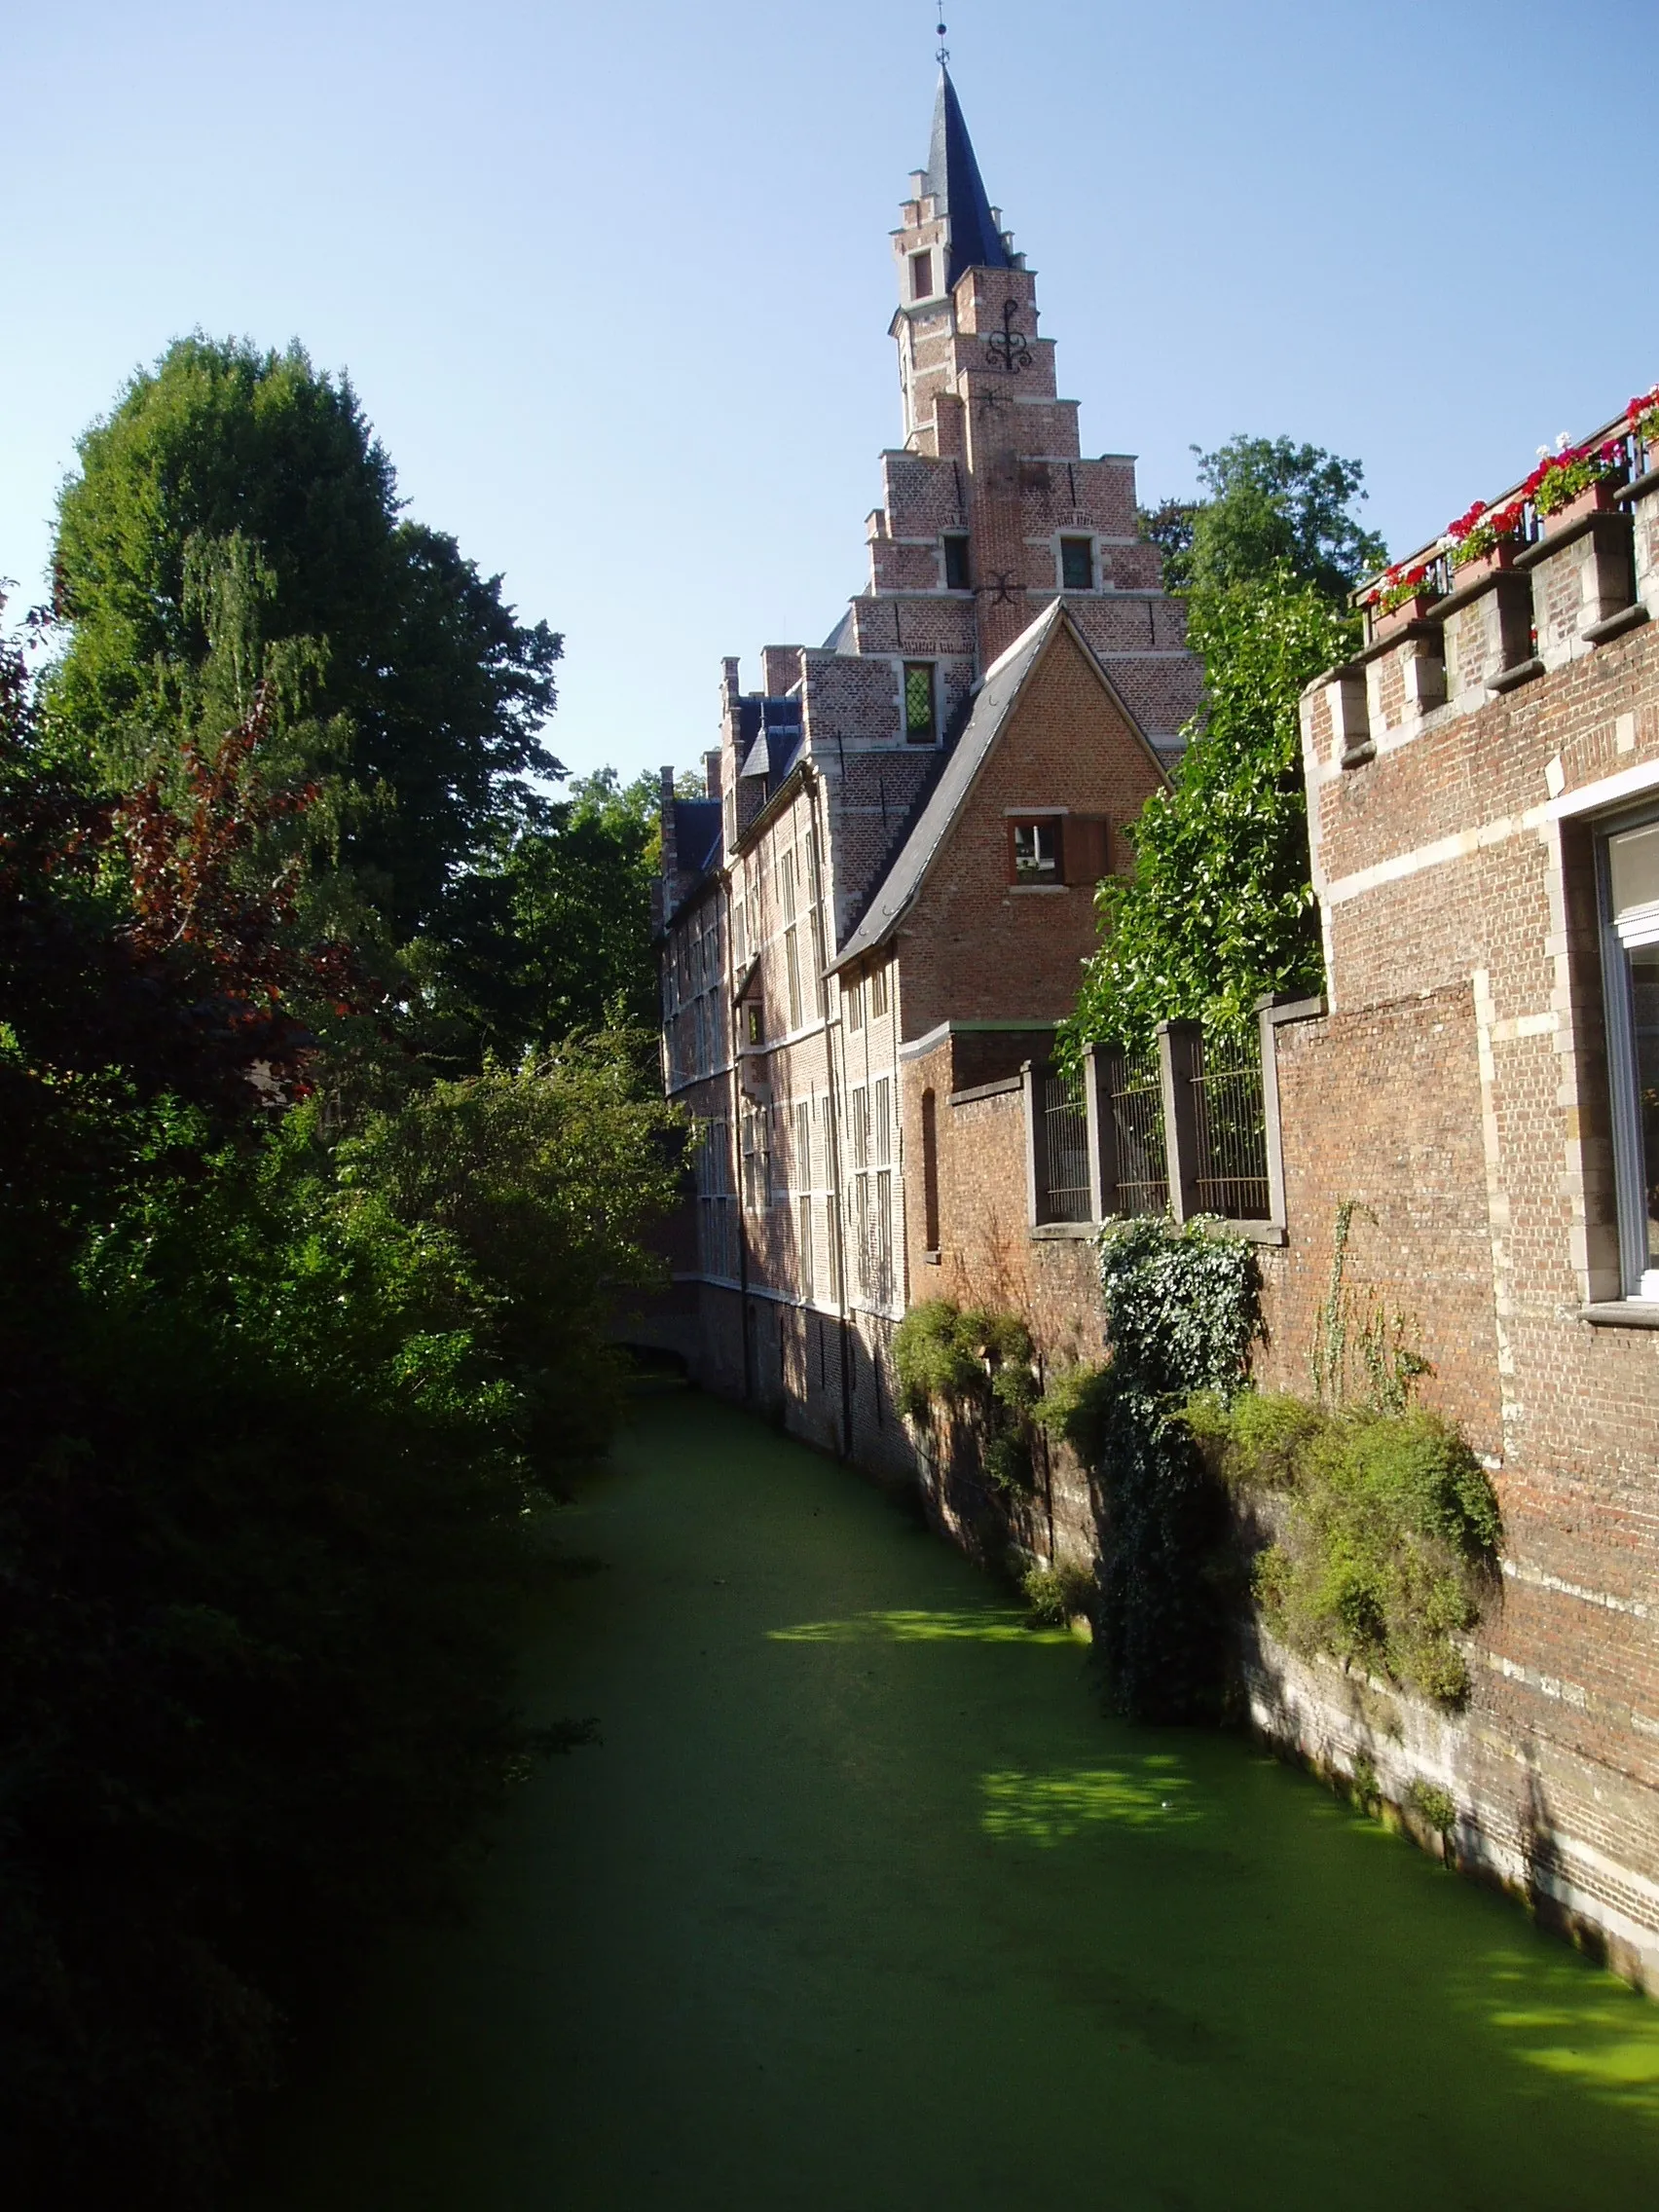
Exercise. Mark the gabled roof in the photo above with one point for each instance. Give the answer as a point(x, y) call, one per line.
point(955, 183)
point(993, 702)
point(696, 834)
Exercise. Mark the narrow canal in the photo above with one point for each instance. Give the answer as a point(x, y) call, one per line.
point(861, 1902)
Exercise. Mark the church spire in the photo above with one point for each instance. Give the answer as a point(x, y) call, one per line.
point(953, 178)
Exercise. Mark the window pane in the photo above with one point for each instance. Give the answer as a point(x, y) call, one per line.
point(1076, 563)
point(1645, 1012)
point(1633, 864)
point(919, 701)
point(956, 572)
point(1035, 850)
point(921, 275)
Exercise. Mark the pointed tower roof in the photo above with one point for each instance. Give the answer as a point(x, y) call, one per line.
point(955, 183)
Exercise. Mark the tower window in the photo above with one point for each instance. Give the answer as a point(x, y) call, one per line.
point(1076, 563)
point(921, 277)
point(919, 723)
point(957, 574)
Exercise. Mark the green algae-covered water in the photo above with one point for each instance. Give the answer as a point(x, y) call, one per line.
point(862, 1903)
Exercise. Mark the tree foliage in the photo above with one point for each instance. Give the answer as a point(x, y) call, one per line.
point(1220, 908)
point(283, 1377)
point(433, 689)
point(554, 934)
point(1270, 504)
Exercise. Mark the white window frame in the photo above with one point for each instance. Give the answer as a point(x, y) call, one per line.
point(1636, 928)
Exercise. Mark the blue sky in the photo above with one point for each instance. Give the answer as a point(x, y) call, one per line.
point(613, 284)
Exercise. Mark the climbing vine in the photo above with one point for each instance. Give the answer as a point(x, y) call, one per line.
point(1182, 1308)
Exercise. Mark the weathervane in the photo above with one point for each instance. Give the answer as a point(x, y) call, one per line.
point(1007, 349)
point(944, 55)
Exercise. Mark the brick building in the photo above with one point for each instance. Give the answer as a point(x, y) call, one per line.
point(1481, 1078)
point(882, 898)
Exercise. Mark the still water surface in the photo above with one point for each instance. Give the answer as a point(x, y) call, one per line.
point(862, 1903)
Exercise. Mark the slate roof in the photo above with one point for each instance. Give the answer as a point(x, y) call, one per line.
point(773, 735)
point(697, 834)
point(955, 182)
point(992, 701)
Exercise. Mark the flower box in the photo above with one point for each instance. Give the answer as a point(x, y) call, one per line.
point(1385, 622)
point(1492, 562)
point(1598, 499)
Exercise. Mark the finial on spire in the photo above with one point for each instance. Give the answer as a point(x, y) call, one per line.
point(944, 53)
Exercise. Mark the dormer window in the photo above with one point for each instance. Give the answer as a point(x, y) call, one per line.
point(921, 277)
point(919, 709)
point(1076, 563)
point(958, 576)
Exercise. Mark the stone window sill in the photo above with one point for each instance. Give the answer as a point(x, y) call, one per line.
point(1036, 890)
point(1252, 1231)
point(1621, 1313)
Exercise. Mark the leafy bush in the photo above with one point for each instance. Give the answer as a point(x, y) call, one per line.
point(977, 1365)
point(1073, 1408)
point(1059, 1594)
point(1435, 1806)
point(1391, 1532)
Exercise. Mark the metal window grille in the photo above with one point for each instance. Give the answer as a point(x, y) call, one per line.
point(1066, 1150)
point(792, 968)
point(803, 1216)
point(1134, 1105)
point(881, 1285)
point(802, 1144)
point(1230, 1129)
point(882, 1118)
point(878, 992)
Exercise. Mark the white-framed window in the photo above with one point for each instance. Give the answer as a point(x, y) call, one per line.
point(1628, 875)
point(858, 1125)
point(880, 1281)
point(881, 1120)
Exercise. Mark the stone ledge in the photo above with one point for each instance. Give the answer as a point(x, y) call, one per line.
point(1615, 625)
point(1620, 1314)
point(1511, 678)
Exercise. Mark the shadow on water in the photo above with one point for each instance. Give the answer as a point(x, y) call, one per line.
point(863, 1902)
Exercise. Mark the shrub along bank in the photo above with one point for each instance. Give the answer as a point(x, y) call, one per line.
point(1384, 1526)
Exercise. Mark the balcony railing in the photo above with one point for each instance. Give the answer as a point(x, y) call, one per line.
point(1230, 1126)
point(1185, 1126)
point(1132, 1092)
point(1065, 1151)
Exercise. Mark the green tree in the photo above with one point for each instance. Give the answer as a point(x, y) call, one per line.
point(258, 466)
point(555, 936)
point(1271, 505)
point(1220, 907)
